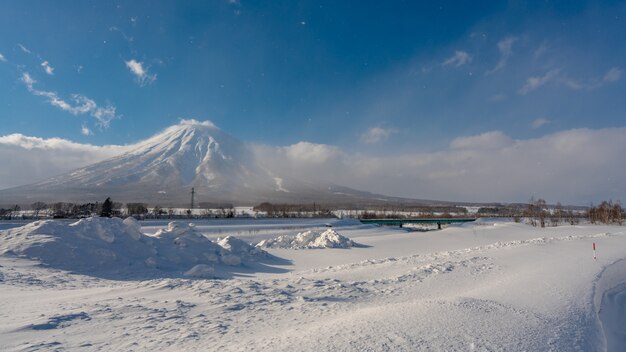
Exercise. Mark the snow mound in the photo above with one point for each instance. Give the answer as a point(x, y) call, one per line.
point(182, 242)
point(240, 248)
point(201, 271)
point(309, 239)
point(134, 225)
point(103, 245)
point(88, 244)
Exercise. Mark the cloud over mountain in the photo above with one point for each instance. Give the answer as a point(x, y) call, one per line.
point(575, 166)
point(30, 159)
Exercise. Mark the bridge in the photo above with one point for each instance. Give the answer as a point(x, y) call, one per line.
point(401, 222)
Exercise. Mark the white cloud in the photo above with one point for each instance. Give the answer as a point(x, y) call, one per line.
point(24, 49)
point(46, 66)
point(136, 68)
point(459, 59)
point(377, 135)
point(488, 167)
point(539, 122)
point(505, 47)
point(28, 80)
point(31, 159)
point(127, 38)
point(192, 122)
point(311, 153)
point(487, 140)
point(613, 75)
point(535, 82)
point(85, 131)
point(80, 104)
point(2, 58)
point(573, 84)
point(307, 161)
point(141, 74)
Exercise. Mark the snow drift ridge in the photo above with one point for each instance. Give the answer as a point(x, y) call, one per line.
point(103, 245)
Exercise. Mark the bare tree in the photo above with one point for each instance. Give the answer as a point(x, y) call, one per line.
point(606, 213)
point(16, 211)
point(530, 211)
point(572, 219)
point(558, 212)
point(617, 213)
point(38, 207)
point(540, 206)
point(136, 209)
point(157, 211)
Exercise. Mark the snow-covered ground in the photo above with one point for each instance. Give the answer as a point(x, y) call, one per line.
point(478, 286)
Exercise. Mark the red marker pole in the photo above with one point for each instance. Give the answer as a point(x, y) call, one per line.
point(594, 251)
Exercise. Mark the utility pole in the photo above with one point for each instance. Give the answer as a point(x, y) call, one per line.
point(193, 193)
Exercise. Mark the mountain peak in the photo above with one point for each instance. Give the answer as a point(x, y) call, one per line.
point(189, 154)
point(163, 168)
point(194, 122)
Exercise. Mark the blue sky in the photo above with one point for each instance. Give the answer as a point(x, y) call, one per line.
point(280, 72)
point(352, 78)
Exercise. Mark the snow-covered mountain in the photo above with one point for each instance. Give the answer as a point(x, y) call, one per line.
point(164, 168)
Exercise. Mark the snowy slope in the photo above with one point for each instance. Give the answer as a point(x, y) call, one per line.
point(479, 287)
point(183, 155)
point(163, 169)
point(165, 166)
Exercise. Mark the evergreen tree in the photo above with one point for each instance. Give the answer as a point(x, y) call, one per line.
point(107, 208)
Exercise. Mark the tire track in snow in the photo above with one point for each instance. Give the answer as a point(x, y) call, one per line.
point(458, 252)
point(609, 301)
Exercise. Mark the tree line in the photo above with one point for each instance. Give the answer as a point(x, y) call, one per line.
point(293, 210)
point(536, 212)
point(539, 214)
point(606, 213)
point(108, 208)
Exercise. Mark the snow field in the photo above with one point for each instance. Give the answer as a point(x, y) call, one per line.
point(499, 286)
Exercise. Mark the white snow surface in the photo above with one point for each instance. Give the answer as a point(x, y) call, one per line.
point(309, 239)
point(489, 286)
point(114, 247)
